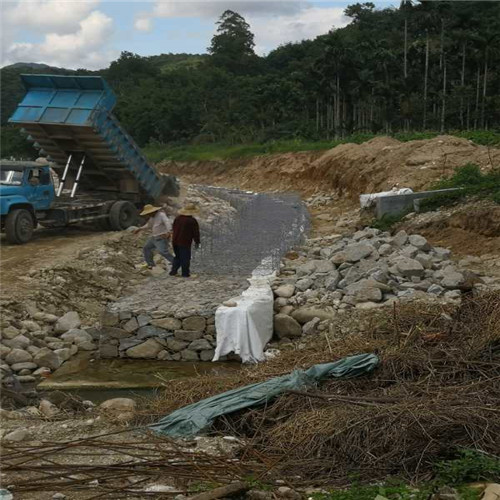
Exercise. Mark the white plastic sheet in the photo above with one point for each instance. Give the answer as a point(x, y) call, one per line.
point(367, 200)
point(248, 327)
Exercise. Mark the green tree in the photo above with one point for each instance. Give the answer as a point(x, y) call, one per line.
point(232, 47)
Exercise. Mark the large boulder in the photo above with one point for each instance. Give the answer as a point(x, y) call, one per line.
point(286, 327)
point(419, 242)
point(304, 284)
point(18, 356)
point(4, 350)
point(116, 333)
point(452, 279)
point(306, 269)
point(118, 409)
point(188, 355)
point(48, 409)
point(332, 281)
point(63, 354)
point(26, 365)
point(409, 267)
point(199, 345)
point(148, 349)
point(77, 336)
point(365, 291)
point(18, 435)
point(131, 325)
point(194, 323)
point(19, 342)
point(323, 266)
point(207, 355)
point(31, 326)
point(10, 332)
point(176, 345)
point(400, 239)
point(67, 322)
point(147, 331)
point(47, 357)
point(311, 326)
point(358, 251)
point(285, 291)
point(305, 314)
point(170, 324)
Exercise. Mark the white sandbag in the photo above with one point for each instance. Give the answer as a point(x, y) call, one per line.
point(367, 200)
point(246, 328)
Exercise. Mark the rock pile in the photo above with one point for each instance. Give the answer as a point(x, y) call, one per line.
point(367, 270)
point(211, 208)
point(32, 348)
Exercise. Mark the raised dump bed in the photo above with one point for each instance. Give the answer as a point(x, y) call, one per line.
point(70, 116)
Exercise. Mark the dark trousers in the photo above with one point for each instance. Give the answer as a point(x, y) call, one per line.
point(182, 259)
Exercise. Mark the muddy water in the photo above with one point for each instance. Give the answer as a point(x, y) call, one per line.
point(100, 379)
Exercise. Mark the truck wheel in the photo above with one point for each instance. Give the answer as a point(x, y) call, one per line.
point(122, 215)
point(19, 226)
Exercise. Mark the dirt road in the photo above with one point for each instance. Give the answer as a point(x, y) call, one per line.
point(48, 248)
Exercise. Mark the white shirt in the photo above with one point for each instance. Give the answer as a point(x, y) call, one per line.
point(159, 223)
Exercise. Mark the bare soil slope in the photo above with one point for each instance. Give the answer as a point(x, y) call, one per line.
point(349, 169)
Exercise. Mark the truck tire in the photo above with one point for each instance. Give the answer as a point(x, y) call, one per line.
point(122, 215)
point(19, 226)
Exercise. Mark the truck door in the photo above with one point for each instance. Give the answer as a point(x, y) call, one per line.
point(40, 188)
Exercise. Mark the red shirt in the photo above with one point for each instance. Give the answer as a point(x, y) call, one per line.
point(186, 230)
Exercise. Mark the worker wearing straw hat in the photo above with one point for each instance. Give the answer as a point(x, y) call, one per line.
point(185, 231)
point(161, 231)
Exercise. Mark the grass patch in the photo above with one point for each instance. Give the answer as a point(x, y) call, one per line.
point(387, 221)
point(392, 491)
point(468, 467)
point(472, 183)
point(156, 152)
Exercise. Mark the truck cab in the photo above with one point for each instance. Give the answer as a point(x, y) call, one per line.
point(26, 188)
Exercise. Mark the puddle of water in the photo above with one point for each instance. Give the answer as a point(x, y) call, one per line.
point(101, 379)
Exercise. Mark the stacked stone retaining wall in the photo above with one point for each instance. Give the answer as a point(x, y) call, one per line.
point(157, 336)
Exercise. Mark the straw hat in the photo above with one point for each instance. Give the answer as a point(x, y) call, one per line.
point(149, 209)
point(189, 209)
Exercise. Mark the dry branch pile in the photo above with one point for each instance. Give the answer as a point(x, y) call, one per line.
point(437, 389)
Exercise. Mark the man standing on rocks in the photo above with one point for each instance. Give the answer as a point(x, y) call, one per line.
point(186, 230)
point(161, 229)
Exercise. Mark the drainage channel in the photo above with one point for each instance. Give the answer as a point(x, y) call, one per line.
point(264, 228)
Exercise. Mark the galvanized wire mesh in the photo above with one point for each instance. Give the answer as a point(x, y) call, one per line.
point(264, 229)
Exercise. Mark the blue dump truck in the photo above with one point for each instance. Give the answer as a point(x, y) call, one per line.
point(94, 171)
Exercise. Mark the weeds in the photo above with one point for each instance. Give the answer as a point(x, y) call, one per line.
point(470, 466)
point(471, 182)
point(387, 221)
point(204, 152)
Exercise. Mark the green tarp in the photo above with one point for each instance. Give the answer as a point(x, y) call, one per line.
point(194, 418)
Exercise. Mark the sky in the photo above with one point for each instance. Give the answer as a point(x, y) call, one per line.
point(92, 33)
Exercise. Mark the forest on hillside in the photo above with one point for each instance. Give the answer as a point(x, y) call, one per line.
point(422, 66)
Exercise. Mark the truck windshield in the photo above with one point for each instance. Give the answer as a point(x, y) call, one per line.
point(11, 177)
